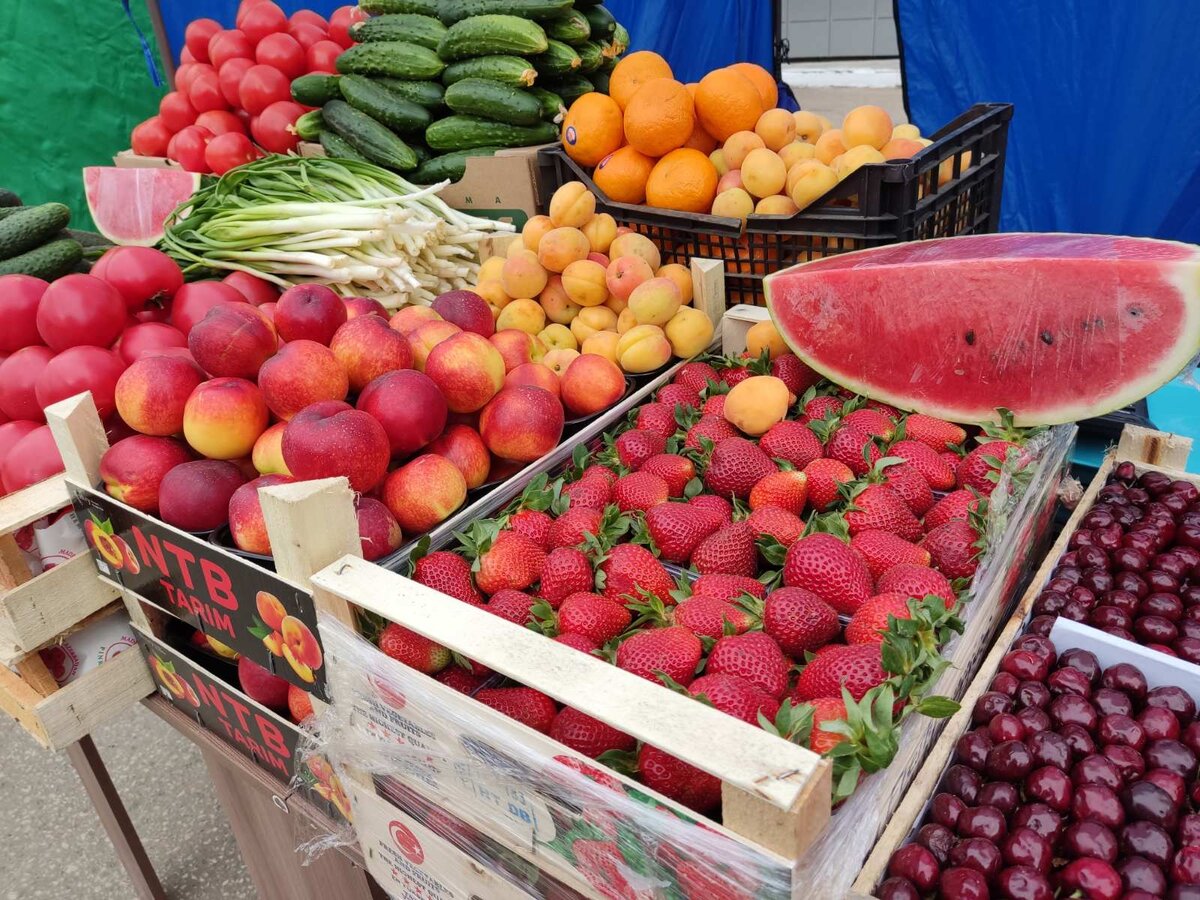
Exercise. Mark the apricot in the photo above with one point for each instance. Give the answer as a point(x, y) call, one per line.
point(808, 126)
point(584, 283)
point(717, 157)
point(775, 205)
point(562, 246)
point(601, 231)
point(906, 132)
point(643, 348)
point(515, 247)
point(826, 125)
point(634, 244)
point(829, 145)
point(901, 148)
point(558, 306)
point(734, 203)
point(625, 321)
point(765, 336)
point(624, 274)
point(689, 331)
point(738, 145)
point(855, 158)
point(681, 276)
point(755, 404)
point(654, 302)
point(796, 151)
point(492, 290)
point(491, 268)
point(730, 180)
point(558, 337)
point(533, 232)
point(573, 205)
point(946, 169)
point(811, 184)
point(524, 315)
point(870, 125)
point(616, 304)
point(591, 320)
point(558, 361)
point(777, 128)
point(522, 275)
point(601, 343)
point(763, 173)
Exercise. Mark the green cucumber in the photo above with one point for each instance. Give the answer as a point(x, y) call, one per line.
point(571, 88)
point(571, 28)
point(423, 153)
point(369, 137)
point(316, 89)
point(6, 211)
point(610, 63)
point(88, 240)
point(467, 132)
point(620, 40)
point(387, 7)
point(49, 261)
point(423, 93)
point(558, 61)
point(510, 70)
point(492, 100)
point(32, 226)
point(424, 30)
point(552, 104)
point(382, 105)
point(309, 126)
point(591, 56)
point(338, 147)
point(539, 10)
point(8, 198)
point(490, 35)
point(398, 59)
point(602, 22)
point(450, 166)
point(599, 80)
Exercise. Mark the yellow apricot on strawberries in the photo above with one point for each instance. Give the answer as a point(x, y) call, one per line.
point(752, 406)
point(601, 231)
point(534, 230)
point(583, 281)
point(765, 336)
point(777, 128)
point(689, 331)
point(562, 246)
point(572, 205)
point(681, 276)
point(522, 275)
point(763, 173)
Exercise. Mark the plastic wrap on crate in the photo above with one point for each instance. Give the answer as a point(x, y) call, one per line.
point(1019, 511)
point(565, 814)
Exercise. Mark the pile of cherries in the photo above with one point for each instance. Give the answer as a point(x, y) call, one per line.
point(1132, 567)
point(1072, 782)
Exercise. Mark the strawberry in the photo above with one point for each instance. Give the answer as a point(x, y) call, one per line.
point(592, 492)
point(729, 551)
point(715, 428)
point(926, 461)
point(657, 418)
point(588, 736)
point(784, 526)
point(413, 650)
point(793, 372)
point(937, 434)
point(915, 581)
point(701, 881)
point(709, 616)
point(799, 620)
point(734, 696)
point(602, 864)
point(883, 549)
point(599, 471)
point(640, 491)
point(980, 468)
point(449, 573)
point(868, 624)
point(872, 422)
point(820, 408)
point(754, 656)
point(888, 410)
point(824, 476)
point(696, 375)
point(674, 651)
point(515, 606)
point(459, 679)
point(676, 471)
point(953, 459)
point(565, 571)
point(678, 528)
point(591, 615)
point(856, 667)
point(736, 465)
point(579, 642)
point(792, 442)
point(787, 490)
point(635, 446)
point(735, 375)
point(527, 706)
point(672, 395)
point(954, 548)
point(718, 506)
point(678, 781)
point(727, 587)
point(853, 447)
point(826, 709)
point(912, 487)
point(877, 507)
point(630, 569)
point(714, 406)
point(534, 524)
point(512, 561)
point(825, 565)
point(955, 505)
point(570, 529)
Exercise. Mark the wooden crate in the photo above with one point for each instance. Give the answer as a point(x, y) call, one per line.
point(1149, 451)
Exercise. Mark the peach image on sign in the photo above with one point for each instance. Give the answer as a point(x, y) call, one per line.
point(300, 648)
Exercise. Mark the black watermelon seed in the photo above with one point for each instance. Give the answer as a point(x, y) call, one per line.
point(1047, 338)
point(970, 336)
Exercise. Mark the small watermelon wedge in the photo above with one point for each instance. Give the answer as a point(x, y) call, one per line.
point(130, 206)
point(1054, 327)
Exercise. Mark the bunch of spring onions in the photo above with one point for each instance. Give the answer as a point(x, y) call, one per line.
point(359, 228)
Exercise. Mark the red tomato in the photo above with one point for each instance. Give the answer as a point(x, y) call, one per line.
point(187, 148)
point(205, 91)
point(196, 298)
point(322, 55)
point(194, 71)
point(150, 138)
point(341, 20)
point(273, 129)
point(176, 111)
point(220, 121)
point(227, 45)
point(142, 276)
point(228, 151)
point(148, 338)
point(11, 432)
point(261, 86)
point(261, 19)
point(80, 310)
point(18, 382)
point(230, 76)
point(19, 299)
point(197, 35)
point(33, 458)
point(308, 17)
point(306, 35)
point(281, 51)
point(80, 369)
point(185, 56)
point(181, 74)
point(257, 291)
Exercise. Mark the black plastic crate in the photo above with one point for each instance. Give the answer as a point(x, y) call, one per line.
point(878, 204)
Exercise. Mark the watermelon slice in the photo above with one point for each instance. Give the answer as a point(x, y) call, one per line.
point(130, 206)
point(1055, 327)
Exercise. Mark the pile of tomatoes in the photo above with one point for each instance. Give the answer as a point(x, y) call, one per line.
point(233, 86)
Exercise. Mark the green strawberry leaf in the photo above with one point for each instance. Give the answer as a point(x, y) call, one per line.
point(693, 488)
point(623, 761)
point(937, 707)
point(772, 550)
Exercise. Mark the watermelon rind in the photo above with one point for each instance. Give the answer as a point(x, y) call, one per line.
point(131, 206)
point(891, 358)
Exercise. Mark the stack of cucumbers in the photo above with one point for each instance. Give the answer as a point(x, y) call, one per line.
point(433, 82)
point(35, 240)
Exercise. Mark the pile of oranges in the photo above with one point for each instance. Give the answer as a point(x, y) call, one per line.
point(719, 145)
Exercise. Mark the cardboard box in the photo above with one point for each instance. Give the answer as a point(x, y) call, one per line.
point(127, 159)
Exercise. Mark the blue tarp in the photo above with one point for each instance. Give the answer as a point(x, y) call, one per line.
point(1106, 132)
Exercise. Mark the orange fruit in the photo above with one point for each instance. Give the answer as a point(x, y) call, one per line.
point(632, 72)
point(622, 175)
point(685, 180)
point(763, 81)
point(726, 102)
point(659, 117)
point(701, 140)
point(592, 129)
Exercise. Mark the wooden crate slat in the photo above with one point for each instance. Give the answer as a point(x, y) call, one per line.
point(78, 708)
point(28, 505)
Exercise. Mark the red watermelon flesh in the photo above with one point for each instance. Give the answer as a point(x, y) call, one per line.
point(130, 206)
point(1055, 327)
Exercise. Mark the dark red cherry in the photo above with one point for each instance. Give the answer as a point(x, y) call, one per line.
point(961, 883)
point(1188, 831)
point(1126, 601)
point(1109, 702)
point(1127, 760)
point(1097, 803)
point(1146, 802)
point(1129, 559)
point(973, 747)
point(1154, 630)
point(1172, 782)
point(1094, 877)
point(1166, 606)
point(1072, 709)
point(1040, 625)
point(945, 808)
point(1173, 565)
point(1185, 869)
point(1004, 683)
point(1025, 847)
point(989, 705)
point(1132, 583)
point(1009, 761)
point(1109, 617)
point(1070, 680)
point(1158, 580)
point(1040, 818)
point(1174, 698)
point(1141, 874)
point(1190, 736)
point(1078, 739)
point(1090, 839)
point(1033, 693)
point(1148, 840)
point(898, 889)
point(1002, 795)
point(1049, 749)
point(1025, 664)
point(982, 822)
point(1159, 722)
point(1187, 648)
point(1051, 786)
point(917, 864)
point(978, 854)
point(1121, 729)
point(938, 840)
point(1098, 580)
point(1097, 769)
point(1127, 678)
point(1024, 883)
point(963, 781)
point(1175, 756)
point(1091, 557)
point(1035, 720)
